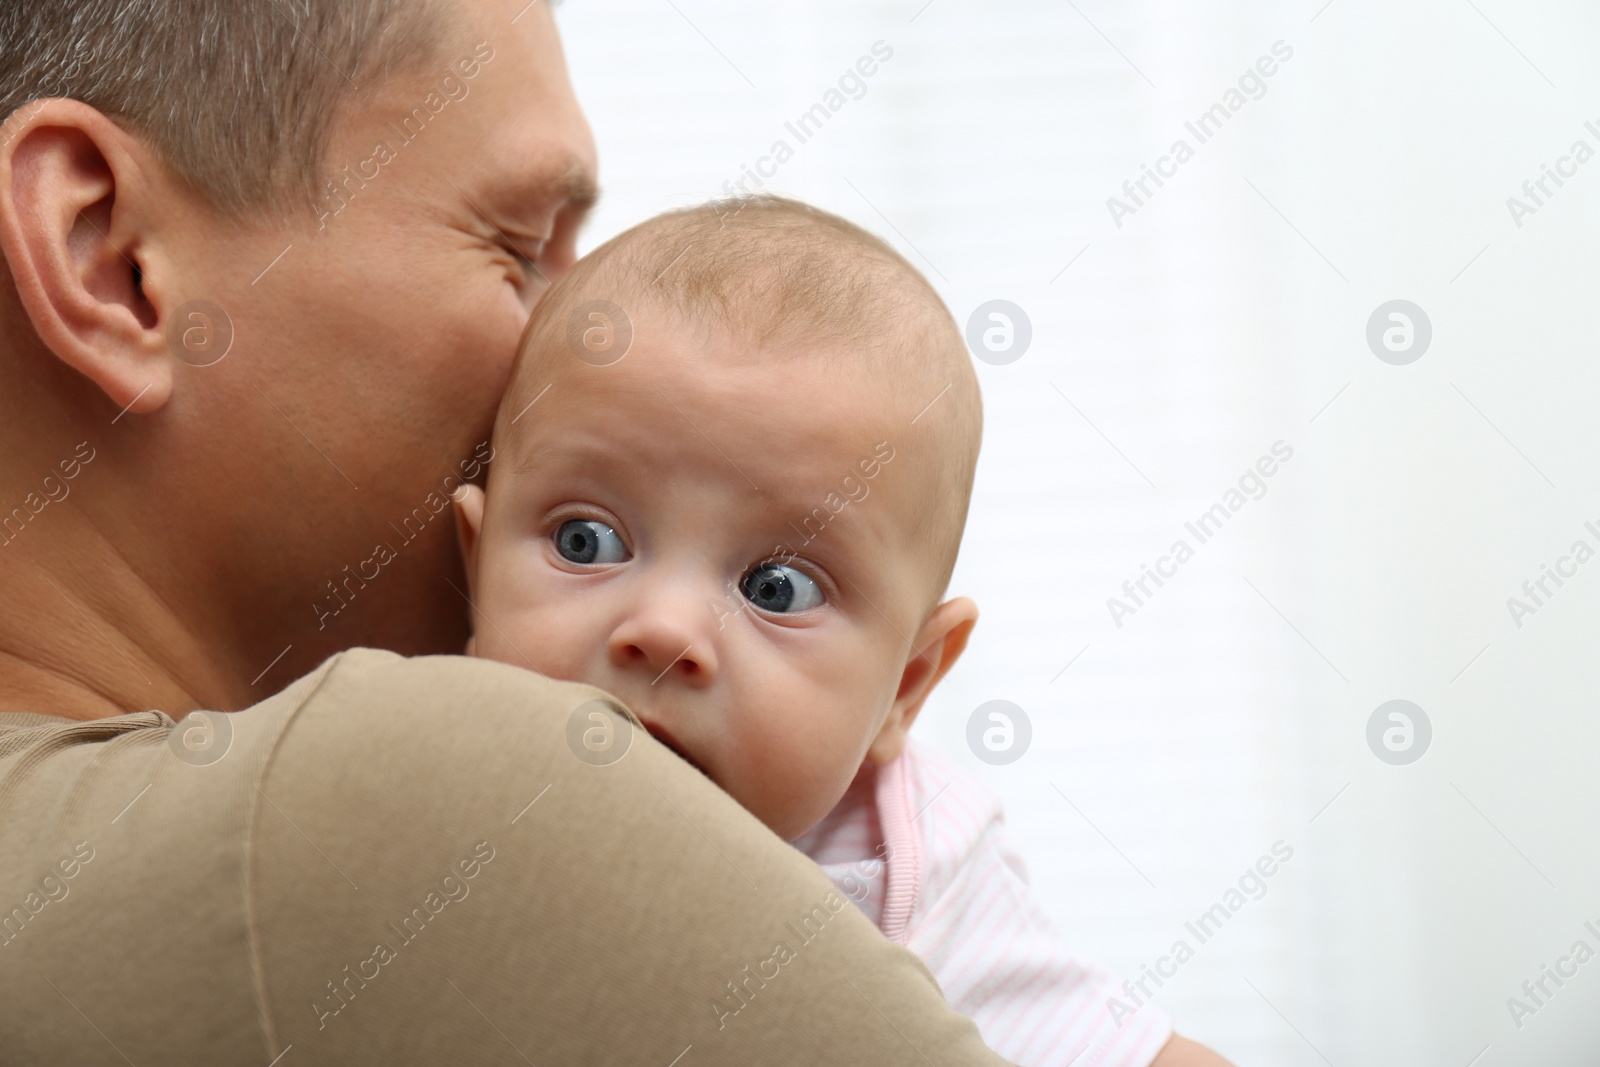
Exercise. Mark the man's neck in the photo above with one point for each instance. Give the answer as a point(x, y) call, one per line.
point(45, 690)
point(88, 638)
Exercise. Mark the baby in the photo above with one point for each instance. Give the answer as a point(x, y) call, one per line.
point(738, 511)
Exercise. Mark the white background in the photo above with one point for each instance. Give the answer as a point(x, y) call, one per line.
point(1229, 312)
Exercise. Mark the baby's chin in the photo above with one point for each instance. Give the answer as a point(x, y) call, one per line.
point(791, 820)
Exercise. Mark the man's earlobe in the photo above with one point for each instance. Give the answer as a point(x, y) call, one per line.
point(74, 232)
point(468, 505)
point(937, 647)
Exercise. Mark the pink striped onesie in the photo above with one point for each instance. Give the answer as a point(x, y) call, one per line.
point(951, 889)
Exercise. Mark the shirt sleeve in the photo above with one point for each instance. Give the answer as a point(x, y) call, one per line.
point(421, 861)
point(994, 951)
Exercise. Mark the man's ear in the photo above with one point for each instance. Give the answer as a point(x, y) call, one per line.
point(74, 190)
point(938, 645)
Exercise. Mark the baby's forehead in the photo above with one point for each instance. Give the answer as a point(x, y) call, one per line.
point(788, 397)
point(784, 420)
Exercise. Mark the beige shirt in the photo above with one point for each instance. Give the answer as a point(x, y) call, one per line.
point(421, 861)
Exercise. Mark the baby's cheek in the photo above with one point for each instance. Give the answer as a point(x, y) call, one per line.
point(555, 640)
point(524, 621)
point(796, 776)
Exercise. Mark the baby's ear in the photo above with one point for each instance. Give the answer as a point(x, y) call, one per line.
point(938, 645)
point(468, 502)
point(468, 507)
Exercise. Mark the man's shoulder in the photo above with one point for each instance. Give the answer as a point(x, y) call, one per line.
point(359, 678)
point(368, 688)
point(372, 708)
point(424, 674)
point(356, 679)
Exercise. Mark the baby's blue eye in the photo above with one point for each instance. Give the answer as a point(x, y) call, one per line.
point(587, 541)
point(779, 588)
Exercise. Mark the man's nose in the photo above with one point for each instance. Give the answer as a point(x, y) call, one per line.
point(668, 634)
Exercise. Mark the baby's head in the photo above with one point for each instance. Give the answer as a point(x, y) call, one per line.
point(744, 526)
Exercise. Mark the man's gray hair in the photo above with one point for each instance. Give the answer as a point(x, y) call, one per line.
point(237, 96)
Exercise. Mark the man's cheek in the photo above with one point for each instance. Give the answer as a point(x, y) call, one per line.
point(479, 346)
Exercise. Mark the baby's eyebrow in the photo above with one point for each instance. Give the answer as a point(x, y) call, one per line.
point(534, 458)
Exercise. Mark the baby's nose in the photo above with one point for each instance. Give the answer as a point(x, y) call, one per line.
point(666, 641)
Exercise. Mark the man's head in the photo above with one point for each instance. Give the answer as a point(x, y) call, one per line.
point(741, 522)
point(280, 68)
point(272, 264)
